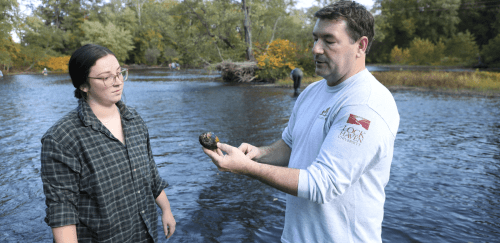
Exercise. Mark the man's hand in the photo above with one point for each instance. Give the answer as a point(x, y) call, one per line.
point(234, 160)
point(167, 218)
point(250, 151)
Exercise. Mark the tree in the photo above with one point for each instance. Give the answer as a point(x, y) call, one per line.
point(209, 31)
point(481, 18)
point(116, 39)
point(462, 49)
point(400, 21)
point(248, 30)
point(491, 51)
point(6, 43)
point(66, 17)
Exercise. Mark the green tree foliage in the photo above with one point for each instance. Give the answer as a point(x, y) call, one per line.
point(117, 39)
point(65, 18)
point(209, 31)
point(6, 44)
point(424, 52)
point(156, 32)
point(400, 21)
point(47, 37)
point(151, 56)
point(205, 32)
point(481, 18)
point(461, 49)
point(491, 51)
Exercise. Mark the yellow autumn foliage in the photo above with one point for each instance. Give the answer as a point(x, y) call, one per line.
point(399, 55)
point(276, 61)
point(281, 53)
point(55, 63)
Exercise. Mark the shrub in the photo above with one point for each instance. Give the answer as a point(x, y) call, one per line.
point(277, 61)
point(55, 63)
point(400, 56)
point(424, 52)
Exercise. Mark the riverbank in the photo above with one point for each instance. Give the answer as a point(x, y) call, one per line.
point(468, 83)
point(478, 83)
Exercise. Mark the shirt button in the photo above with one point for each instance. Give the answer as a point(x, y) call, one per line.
point(142, 211)
point(138, 191)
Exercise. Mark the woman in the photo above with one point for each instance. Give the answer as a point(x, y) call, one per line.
point(99, 176)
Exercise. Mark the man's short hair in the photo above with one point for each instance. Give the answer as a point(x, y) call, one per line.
point(359, 22)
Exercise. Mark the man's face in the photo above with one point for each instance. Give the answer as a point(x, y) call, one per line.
point(334, 52)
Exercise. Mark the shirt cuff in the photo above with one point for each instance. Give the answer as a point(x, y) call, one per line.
point(161, 185)
point(303, 187)
point(60, 215)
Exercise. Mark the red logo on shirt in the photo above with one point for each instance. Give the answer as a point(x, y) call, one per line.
point(357, 120)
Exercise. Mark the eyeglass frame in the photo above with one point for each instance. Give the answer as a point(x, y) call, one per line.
point(125, 77)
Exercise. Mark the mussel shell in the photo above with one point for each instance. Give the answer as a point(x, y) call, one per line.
point(209, 140)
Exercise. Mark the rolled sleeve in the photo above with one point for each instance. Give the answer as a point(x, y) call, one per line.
point(60, 177)
point(303, 187)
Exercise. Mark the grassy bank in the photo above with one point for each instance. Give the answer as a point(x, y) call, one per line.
point(478, 81)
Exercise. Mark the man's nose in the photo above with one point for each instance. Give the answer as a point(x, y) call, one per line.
point(317, 47)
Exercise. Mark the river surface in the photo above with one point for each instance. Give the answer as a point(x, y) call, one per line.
point(445, 176)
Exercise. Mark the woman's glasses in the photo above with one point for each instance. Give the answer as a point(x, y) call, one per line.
point(111, 80)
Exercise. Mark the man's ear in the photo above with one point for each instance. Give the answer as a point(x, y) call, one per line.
point(362, 44)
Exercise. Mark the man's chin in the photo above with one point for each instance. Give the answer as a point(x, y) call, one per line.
point(321, 72)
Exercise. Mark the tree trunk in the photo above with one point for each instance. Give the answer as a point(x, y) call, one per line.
point(248, 31)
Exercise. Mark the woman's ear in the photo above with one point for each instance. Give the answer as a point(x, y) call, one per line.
point(84, 88)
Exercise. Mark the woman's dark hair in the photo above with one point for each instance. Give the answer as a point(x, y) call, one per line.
point(80, 63)
point(359, 22)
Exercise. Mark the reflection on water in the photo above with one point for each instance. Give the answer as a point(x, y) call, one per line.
point(444, 184)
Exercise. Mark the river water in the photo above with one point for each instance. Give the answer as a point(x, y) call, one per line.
point(445, 176)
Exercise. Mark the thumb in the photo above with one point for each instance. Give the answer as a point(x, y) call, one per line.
point(224, 147)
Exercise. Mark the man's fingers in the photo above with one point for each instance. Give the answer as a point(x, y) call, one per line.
point(219, 152)
point(210, 153)
point(243, 148)
point(251, 154)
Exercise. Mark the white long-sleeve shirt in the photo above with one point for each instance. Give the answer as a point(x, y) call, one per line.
point(342, 140)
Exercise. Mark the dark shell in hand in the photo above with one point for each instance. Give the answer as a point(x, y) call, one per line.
point(209, 140)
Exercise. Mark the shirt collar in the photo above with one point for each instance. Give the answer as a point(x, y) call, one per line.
point(89, 119)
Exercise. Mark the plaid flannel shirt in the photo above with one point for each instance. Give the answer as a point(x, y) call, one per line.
point(94, 181)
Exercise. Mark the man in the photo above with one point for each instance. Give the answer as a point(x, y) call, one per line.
point(335, 154)
point(296, 76)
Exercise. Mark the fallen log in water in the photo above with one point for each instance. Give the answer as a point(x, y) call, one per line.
point(237, 71)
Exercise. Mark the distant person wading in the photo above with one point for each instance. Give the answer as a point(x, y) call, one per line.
point(296, 76)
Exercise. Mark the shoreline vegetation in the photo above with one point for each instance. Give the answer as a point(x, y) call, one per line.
point(477, 83)
point(469, 83)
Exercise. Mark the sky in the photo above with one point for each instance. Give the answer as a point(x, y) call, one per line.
point(308, 3)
